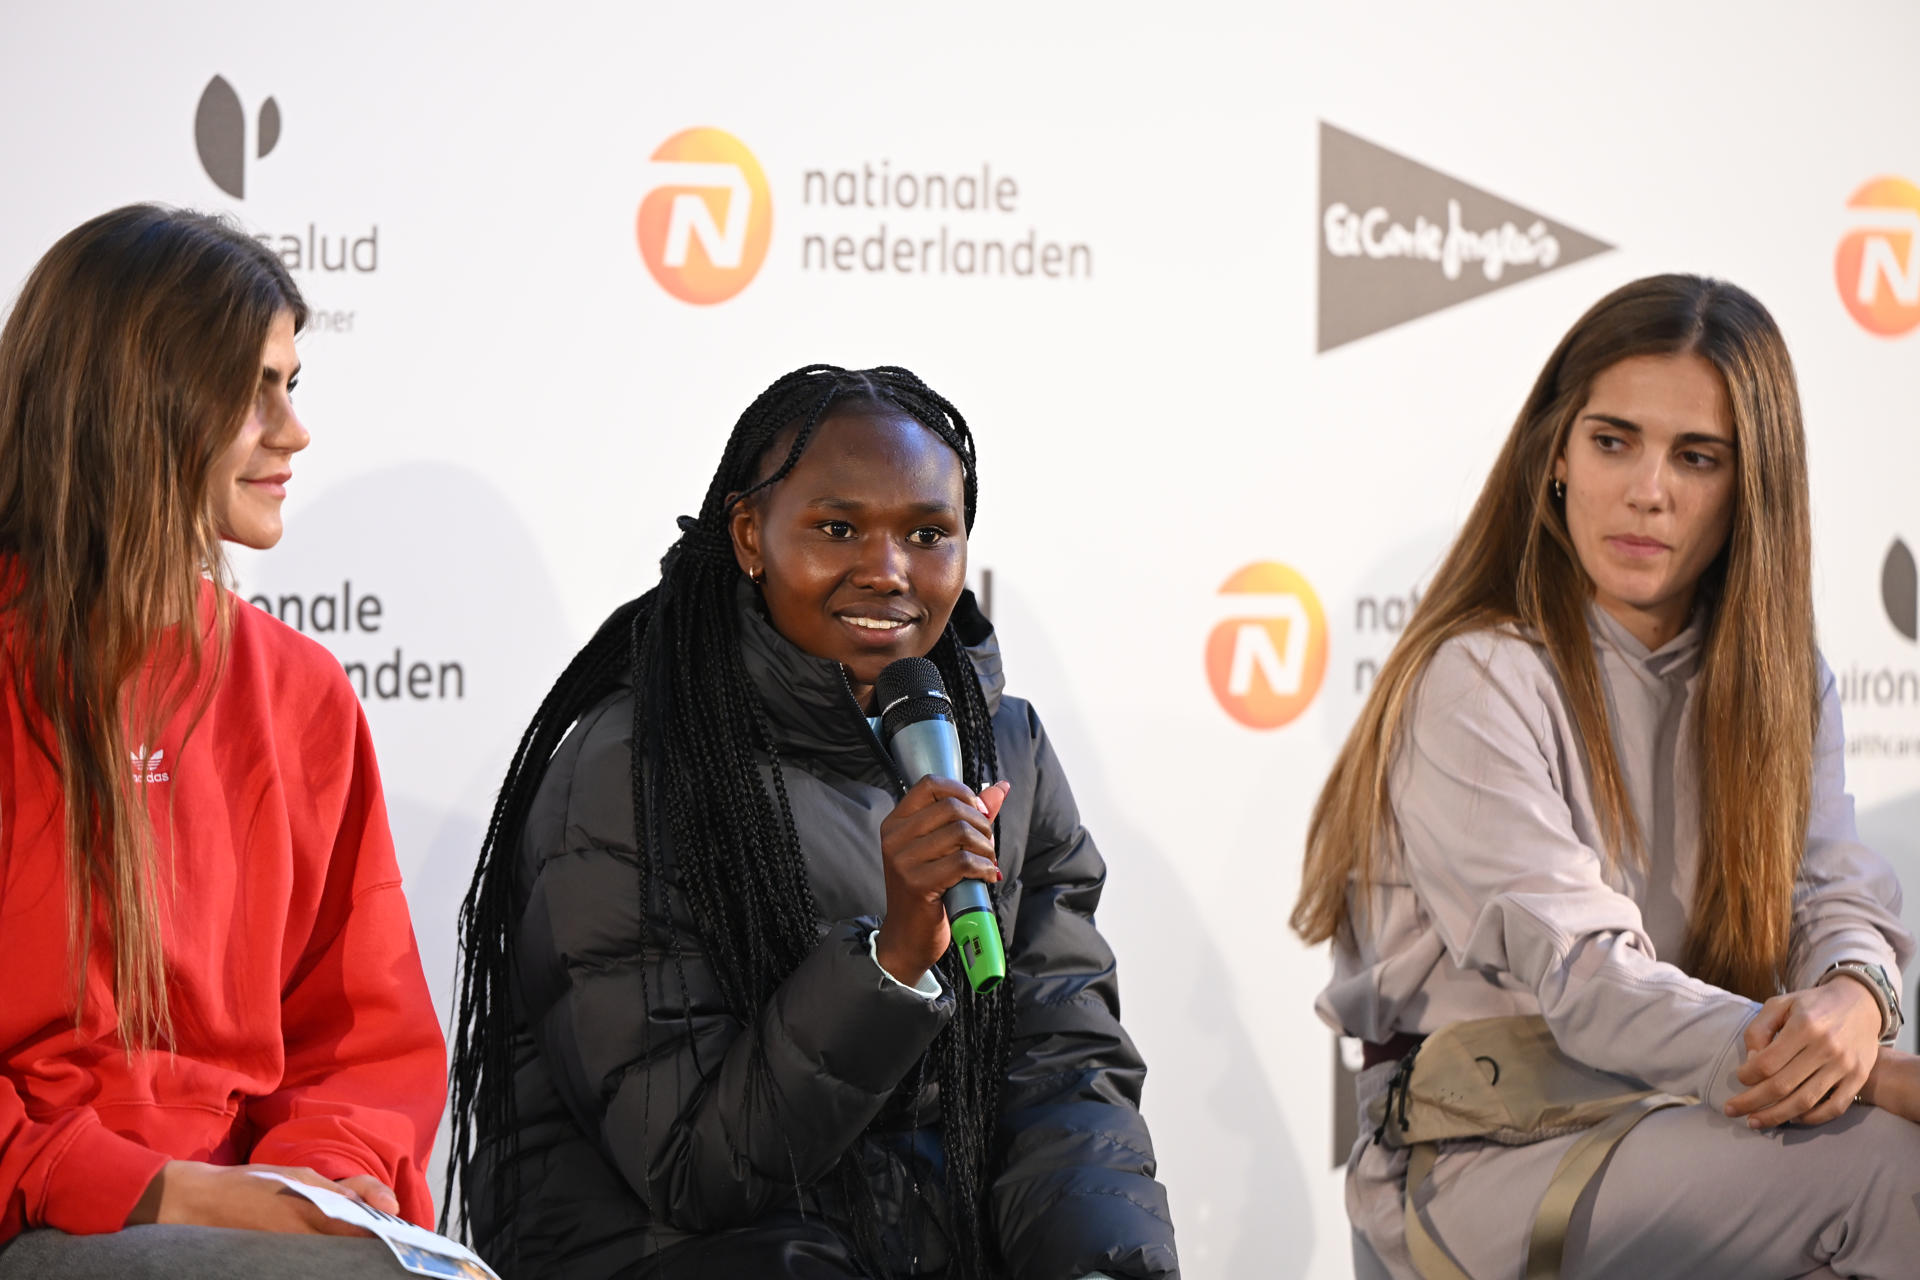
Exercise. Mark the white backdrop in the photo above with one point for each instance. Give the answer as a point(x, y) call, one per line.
point(509, 408)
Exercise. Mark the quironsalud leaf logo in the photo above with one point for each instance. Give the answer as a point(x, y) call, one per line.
point(1900, 590)
point(220, 135)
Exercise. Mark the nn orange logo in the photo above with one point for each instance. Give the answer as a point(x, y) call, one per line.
point(1878, 264)
point(706, 221)
point(1268, 654)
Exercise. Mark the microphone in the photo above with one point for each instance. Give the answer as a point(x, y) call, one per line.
point(916, 727)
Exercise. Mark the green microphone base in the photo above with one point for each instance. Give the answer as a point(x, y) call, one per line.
point(976, 935)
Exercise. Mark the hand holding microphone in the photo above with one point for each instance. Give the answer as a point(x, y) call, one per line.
point(936, 846)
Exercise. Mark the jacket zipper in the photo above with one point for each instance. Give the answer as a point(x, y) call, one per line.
point(873, 738)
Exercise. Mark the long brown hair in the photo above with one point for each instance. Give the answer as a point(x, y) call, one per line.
point(127, 366)
point(1513, 564)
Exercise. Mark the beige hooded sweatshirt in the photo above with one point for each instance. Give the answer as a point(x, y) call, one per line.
point(1496, 898)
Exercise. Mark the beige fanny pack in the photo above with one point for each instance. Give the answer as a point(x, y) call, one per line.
point(1505, 1080)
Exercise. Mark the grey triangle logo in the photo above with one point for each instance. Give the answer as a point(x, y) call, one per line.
point(1399, 240)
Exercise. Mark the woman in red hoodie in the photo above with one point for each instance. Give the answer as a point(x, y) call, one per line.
point(209, 966)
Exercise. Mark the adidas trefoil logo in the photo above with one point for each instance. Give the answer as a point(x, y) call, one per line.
point(146, 768)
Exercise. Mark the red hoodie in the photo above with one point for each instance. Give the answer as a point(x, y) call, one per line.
point(303, 1031)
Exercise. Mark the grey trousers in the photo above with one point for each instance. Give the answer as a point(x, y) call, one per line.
point(1688, 1194)
point(194, 1253)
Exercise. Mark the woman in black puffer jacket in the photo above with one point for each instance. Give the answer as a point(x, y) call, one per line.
point(709, 1025)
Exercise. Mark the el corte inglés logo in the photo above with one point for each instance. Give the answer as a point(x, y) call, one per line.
point(1399, 240)
point(1877, 267)
point(707, 217)
point(1267, 655)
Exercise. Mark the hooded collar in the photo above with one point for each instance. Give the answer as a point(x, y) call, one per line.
point(809, 702)
point(1677, 658)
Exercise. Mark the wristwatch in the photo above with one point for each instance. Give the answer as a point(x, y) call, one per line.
point(1874, 978)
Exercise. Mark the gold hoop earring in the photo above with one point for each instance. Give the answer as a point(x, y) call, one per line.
point(1560, 490)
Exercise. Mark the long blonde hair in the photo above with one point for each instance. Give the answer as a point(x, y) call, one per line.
point(127, 366)
point(1513, 564)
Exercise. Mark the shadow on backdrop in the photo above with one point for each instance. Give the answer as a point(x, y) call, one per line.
point(1238, 1191)
point(426, 582)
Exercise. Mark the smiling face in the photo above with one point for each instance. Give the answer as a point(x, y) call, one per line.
point(1650, 471)
point(861, 550)
point(249, 479)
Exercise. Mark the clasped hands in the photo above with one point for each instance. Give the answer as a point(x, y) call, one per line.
point(1809, 1054)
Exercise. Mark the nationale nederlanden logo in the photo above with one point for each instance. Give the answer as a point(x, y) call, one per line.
point(220, 135)
point(1877, 267)
point(707, 219)
point(1399, 240)
point(1268, 654)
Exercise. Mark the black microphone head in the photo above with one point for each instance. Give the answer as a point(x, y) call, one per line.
point(908, 691)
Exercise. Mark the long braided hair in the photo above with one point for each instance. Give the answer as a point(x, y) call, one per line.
point(701, 740)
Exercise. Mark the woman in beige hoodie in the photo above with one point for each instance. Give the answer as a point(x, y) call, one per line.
point(1600, 780)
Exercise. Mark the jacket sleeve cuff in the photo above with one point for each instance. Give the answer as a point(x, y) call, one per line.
point(847, 1017)
point(1867, 946)
point(1722, 1082)
point(95, 1182)
point(928, 988)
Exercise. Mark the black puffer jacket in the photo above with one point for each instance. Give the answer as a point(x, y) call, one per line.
point(624, 1154)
